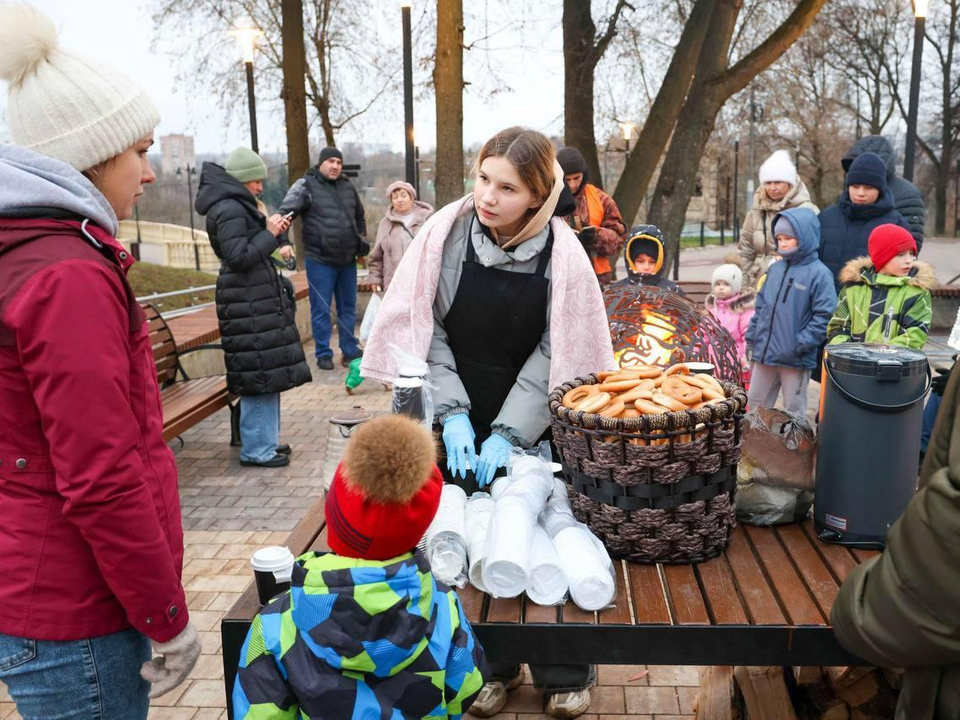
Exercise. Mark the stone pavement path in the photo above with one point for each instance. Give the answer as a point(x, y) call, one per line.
point(230, 511)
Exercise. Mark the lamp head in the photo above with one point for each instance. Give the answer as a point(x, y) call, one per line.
point(247, 36)
point(920, 8)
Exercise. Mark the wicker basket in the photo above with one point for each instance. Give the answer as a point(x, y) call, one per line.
point(658, 488)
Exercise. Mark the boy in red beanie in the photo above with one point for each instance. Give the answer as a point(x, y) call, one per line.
point(365, 630)
point(886, 296)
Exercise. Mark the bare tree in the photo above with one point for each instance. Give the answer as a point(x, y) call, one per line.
point(942, 34)
point(656, 131)
point(448, 86)
point(870, 46)
point(715, 81)
point(582, 50)
point(343, 46)
point(806, 108)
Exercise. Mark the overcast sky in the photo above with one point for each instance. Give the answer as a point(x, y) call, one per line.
point(121, 32)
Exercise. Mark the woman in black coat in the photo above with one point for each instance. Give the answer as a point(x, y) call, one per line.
point(261, 342)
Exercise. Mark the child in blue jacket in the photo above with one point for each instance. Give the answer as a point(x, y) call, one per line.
point(366, 631)
point(793, 309)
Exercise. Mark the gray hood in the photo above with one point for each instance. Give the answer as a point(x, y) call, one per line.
point(32, 185)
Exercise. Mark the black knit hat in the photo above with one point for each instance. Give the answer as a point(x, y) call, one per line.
point(329, 152)
point(868, 169)
point(571, 160)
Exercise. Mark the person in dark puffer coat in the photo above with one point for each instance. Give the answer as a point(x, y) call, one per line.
point(846, 225)
point(907, 198)
point(261, 342)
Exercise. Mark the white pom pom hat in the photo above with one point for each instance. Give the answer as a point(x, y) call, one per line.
point(62, 104)
point(779, 168)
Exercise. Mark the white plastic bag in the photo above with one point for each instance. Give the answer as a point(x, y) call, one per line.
point(370, 317)
point(954, 340)
point(412, 394)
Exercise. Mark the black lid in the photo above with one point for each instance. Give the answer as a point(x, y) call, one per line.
point(869, 358)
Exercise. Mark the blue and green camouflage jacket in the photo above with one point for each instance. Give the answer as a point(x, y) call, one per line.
point(359, 640)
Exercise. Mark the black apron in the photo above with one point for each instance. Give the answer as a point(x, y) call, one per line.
point(496, 321)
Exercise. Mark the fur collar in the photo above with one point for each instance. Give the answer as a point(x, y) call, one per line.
point(861, 270)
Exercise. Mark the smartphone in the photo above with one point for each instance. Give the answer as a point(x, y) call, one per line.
point(289, 216)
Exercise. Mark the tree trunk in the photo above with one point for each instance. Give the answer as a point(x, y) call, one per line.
point(580, 60)
point(448, 86)
point(946, 132)
point(713, 84)
point(295, 102)
point(694, 124)
point(655, 134)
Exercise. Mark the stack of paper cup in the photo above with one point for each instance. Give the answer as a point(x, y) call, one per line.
point(587, 566)
point(478, 515)
point(547, 582)
point(507, 562)
point(446, 544)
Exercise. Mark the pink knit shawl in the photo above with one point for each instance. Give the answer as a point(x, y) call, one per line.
point(579, 334)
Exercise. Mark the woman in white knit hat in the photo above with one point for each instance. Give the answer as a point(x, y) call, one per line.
point(91, 543)
point(780, 189)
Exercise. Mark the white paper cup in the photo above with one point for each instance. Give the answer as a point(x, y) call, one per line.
point(272, 568)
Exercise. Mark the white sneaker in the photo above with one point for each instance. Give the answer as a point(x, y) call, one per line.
point(568, 705)
point(493, 696)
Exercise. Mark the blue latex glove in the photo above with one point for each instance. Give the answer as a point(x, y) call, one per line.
point(493, 455)
point(459, 439)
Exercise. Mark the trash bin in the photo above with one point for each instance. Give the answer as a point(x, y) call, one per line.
point(869, 440)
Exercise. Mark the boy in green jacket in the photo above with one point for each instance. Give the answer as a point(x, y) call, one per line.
point(366, 631)
point(886, 296)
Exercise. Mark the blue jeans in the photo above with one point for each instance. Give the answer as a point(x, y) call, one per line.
point(93, 679)
point(930, 411)
point(329, 282)
point(259, 426)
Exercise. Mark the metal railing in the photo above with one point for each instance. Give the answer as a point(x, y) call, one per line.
point(193, 291)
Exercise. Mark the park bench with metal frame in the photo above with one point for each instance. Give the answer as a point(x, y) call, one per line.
point(185, 401)
point(765, 601)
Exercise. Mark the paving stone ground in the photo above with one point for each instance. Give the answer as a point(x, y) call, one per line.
point(229, 511)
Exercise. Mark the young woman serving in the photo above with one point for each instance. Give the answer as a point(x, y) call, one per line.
point(497, 295)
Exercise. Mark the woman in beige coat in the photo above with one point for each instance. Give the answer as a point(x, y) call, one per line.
point(780, 189)
point(397, 229)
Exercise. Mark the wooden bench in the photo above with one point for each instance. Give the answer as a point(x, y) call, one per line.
point(696, 291)
point(765, 601)
point(185, 401)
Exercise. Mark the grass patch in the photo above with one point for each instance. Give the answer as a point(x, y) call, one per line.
point(691, 241)
point(149, 279)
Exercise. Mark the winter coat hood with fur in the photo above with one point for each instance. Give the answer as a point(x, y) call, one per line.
point(878, 308)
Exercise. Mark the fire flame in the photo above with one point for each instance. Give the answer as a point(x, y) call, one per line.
point(654, 343)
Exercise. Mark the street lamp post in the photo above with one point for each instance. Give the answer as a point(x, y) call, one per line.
point(247, 37)
point(190, 172)
point(920, 13)
point(411, 161)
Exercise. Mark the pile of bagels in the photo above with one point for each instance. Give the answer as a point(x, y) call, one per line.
point(645, 390)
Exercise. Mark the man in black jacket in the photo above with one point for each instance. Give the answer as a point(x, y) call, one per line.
point(334, 227)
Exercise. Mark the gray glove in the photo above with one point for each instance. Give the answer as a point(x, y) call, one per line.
point(175, 659)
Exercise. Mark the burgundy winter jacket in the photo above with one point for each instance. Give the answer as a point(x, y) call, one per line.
point(91, 541)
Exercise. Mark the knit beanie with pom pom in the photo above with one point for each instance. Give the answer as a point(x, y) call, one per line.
point(62, 104)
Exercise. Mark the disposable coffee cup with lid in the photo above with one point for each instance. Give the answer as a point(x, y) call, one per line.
point(272, 568)
point(701, 368)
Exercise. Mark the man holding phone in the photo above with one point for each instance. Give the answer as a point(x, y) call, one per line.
point(334, 231)
point(596, 221)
